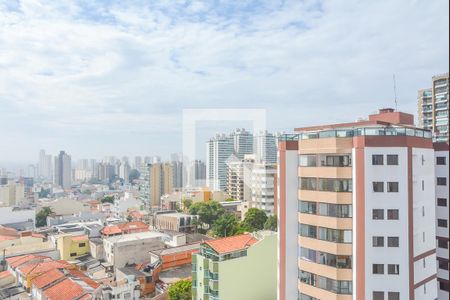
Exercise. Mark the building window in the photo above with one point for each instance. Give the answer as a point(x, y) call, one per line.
point(377, 159)
point(444, 286)
point(392, 214)
point(423, 185)
point(308, 231)
point(335, 185)
point(393, 296)
point(392, 187)
point(378, 186)
point(378, 241)
point(393, 241)
point(424, 263)
point(335, 286)
point(377, 214)
point(442, 202)
point(308, 160)
point(423, 211)
point(336, 161)
point(307, 278)
point(81, 245)
point(308, 207)
point(73, 254)
point(393, 269)
point(440, 160)
point(335, 210)
point(442, 223)
point(308, 183)
point(443, 264)
point(377, 269)
point(442, 181)
point(392, 159)
point(442, 243)
point(378, 295)
point(335, 235)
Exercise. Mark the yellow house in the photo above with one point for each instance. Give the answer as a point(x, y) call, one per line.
point(71, 247)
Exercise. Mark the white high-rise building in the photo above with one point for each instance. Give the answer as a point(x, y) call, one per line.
point(45, 165)
point(266, 147)
point(442, 221)
point(238, 177)
point(218, 150)
point(137, 162)
point(242, 142)
point(262, 187)
point(63, 170)
point(124, 172)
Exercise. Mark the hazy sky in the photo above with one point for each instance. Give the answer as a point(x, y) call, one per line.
point(113, 77)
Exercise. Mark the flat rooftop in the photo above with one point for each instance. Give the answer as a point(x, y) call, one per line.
point(134, 237)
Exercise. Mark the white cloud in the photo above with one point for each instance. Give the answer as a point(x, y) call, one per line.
point(70, 68)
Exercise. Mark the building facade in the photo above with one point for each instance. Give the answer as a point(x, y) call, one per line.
point(262, 187)
point(218, 150)
point(63, 170)
point(363, 227)
point(239, 267)
point(433, 108)
point(265, 147)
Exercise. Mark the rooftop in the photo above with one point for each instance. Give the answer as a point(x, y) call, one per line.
point(64, 290)
point(134, 237)
point(167, 251)
point(47, 278)
point(232, 243)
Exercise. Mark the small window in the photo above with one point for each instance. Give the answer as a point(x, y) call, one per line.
point(393, 241)
point(423, 236)
point(378, 241)
point(393, 269)
point(378, 269)
point(392, 214)
point(81, 245)
point(442, 244)
point(443, 264)
point(377, 214)
point(392, 187)
point(442, 223)
point(442, 181)
point(423, 211)
point(423, 185)
point(73, 254)
point(378, 186)
point(308, 160)
point(393, 296)
point(392, 159)
point(424, 262)
point(440, 160)
point(378, 295)
point(442, 202)
point(377, 159)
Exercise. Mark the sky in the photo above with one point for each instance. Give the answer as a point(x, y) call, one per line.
point(100, 78)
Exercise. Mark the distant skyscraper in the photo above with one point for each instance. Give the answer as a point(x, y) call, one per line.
point(266, 147)
point(178, 174)
point(137, 162)
point(197, 173)
point(125, 171)
point(63, 170)
point(242, 142)
point(433, 108)
point(218, 150)
point(155, 181)
point(45, 165)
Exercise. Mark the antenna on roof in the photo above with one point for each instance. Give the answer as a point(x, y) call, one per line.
point(395, 92)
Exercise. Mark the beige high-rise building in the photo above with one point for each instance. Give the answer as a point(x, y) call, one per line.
point(167, 178)
point(11, 193)
point(433, 108)
point(156, 180)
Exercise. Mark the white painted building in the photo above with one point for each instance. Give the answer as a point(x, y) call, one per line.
point(218, 150)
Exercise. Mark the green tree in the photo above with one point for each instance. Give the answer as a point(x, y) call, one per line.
point(187, 203)
point(230, 199)
point(226, 225)
point(43, 193)
point(180, 290)
point(207, 212)
point(41, 216)
point(134, 174)
point(109, 199)
point(271, 223)
point(255, 219)
point(129, 218)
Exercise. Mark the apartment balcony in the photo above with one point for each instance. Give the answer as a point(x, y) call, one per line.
point(324, 270)
point(324, 221)
point(214, 267)
point(214, 285)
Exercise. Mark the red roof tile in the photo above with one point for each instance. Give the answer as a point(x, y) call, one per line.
point(64, 290)
point(5, 274)
point(46, 278)
point(80, 238)
point(7, 238)
point(14, 262)
point(42, 267)
point(8, 231)
point(232, 243)
point(114, 229)
point(77, 273)
point(133, 225)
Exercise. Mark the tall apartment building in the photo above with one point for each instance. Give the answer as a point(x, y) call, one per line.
point(262, 187)
point(11, 192)
point(197, 173)
point(155, 181)
point(242, 142)
point(363, 225)
point(45, 165)
point(178, 174)
point(124, 171)
point(63, 170)
point(265, 146)
point(241, 267)
point(218, 150)
point(433, 108)
point(238, 177)
point(442, 221)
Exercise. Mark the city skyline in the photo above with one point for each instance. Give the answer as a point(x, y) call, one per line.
point(111, 88)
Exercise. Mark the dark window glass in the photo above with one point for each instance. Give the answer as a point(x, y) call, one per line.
point(393, 241)
point(81, 245)
point(441, 181)
point(308, 160)
point(378, 295)
point(392, 187)
point(442, 202)
point(336, 161)
point(378, 269)
point(308, 254)
point(442, 223)
point(335, 185)
point(73, 254)
point(308, 207)
point(335, 210)
point(444, 286)
point(443, 264)
point(393, 269)
point(377, 214)
point(440, 160)
point(378, 186)
point(377, 159)
point(308, 183)
point(307, 278)
point(308, 231)
point(442, 243)
point(392, 159)
point(393, 296)
point(378, 241)
point(392, 214)
point(335, 235)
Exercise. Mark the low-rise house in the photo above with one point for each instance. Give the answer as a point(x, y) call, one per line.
point(97, 250)
point(126, 288)
point(7, 279)
point(71, 247)
point(125, 228)
point(174, 257)
point(239, 267)
point(173, 220)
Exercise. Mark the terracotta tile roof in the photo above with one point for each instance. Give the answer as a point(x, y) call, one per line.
point(114, 229)
point(77, 273)
point(7, 238)
point(41, 267)
point(64, 290)
point(133, 225)
point(5, 274)
point(14, 262)
point(80, 238)
point(46, 278)
point(232, 243)
point(8, 231)
point(86, 297)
